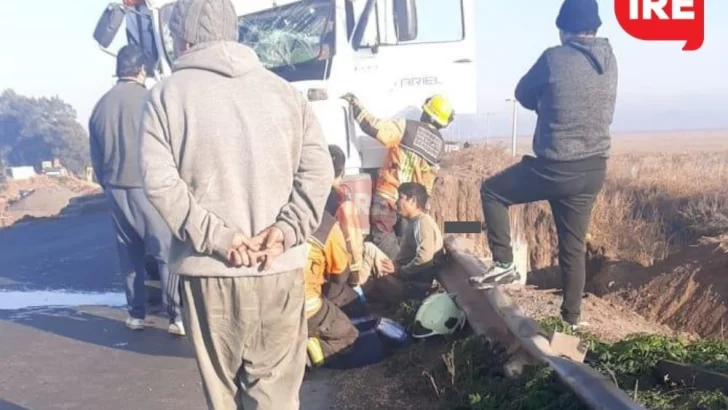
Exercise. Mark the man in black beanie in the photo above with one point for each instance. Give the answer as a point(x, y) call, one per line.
point(572, 88)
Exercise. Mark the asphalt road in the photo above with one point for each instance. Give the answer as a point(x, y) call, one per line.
point(82, 357)
point(75, 253)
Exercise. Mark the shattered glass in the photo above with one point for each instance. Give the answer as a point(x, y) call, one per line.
point(283, 36)
point(292, 34)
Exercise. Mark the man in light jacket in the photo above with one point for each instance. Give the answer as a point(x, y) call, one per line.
point(237, 165)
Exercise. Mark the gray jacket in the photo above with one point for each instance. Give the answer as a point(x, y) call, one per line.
point(573, 89)
point(229, 146)
point(114, 135)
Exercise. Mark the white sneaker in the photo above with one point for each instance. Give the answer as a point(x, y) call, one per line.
point(579, 326)
point(498, 274)
point(134, 324)
point(176, 328)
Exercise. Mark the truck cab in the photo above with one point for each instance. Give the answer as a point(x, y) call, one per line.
point(392, 54)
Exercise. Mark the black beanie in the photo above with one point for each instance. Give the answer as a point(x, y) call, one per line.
point(578, 16)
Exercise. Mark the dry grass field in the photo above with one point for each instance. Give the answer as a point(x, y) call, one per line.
point(670, 142)
point(665, 197)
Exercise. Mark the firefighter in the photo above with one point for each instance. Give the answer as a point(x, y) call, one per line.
point(330, 332)
point(415, 149)
point(341, 204)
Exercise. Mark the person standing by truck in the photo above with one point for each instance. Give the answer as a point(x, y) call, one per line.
point(572, 88)
point(140, 230)
point(235, 161)
point(414, 151)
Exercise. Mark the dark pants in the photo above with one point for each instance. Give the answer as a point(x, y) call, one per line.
point(395, 290)
point(141, 232)
point(570, 189)
point(333, 329)
point(345, 298)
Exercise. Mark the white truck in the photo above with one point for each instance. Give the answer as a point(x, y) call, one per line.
point(391, 53)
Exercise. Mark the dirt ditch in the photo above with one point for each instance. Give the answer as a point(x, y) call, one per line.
point(644, 251)
point(687, 291)
point(645, 272)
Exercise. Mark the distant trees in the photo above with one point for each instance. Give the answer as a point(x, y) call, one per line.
point(33, 130)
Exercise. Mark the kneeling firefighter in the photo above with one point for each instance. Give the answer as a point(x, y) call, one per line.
point(415, 149)
point(326, 277)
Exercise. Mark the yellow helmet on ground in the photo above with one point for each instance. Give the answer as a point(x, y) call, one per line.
point(439, 109)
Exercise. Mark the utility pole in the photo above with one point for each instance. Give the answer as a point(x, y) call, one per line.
point(513, 125)
point(487, 126)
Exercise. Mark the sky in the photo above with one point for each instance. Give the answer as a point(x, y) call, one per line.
point(48, 50)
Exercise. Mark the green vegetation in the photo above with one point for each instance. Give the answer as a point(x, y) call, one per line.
point(468, 372)
point(33, 130)
point(630, 363)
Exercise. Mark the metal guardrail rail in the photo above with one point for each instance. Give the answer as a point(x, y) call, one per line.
point(491, 313)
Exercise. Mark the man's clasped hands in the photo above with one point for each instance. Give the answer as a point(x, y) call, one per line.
point(260, 249)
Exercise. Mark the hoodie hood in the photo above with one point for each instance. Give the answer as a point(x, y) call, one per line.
point(227, 58)
point(597, 50)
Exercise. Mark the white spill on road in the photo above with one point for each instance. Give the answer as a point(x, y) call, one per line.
point(16, 300)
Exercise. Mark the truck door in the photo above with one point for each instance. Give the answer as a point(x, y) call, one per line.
point(393, 77)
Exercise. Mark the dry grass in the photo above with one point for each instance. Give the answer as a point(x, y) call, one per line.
point(721, 241)
point(651, 204)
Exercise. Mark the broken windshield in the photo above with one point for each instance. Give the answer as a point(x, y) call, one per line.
point(281, 36)
point(291, 34)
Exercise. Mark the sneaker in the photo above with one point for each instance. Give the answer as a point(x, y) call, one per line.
point(579, 326)
point(176, 328)
point(498, 274)
point(134, 323)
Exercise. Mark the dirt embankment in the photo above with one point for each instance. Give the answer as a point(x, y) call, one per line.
point(647, 221)
point(41, 197)
point(687, 291)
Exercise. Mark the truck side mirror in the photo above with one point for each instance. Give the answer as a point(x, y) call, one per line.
point(405, 19)
point(109, 24)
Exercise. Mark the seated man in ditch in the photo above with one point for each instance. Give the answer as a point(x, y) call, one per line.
point(411, 274)
point(330, 330)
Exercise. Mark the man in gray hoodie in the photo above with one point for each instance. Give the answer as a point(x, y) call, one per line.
point(235, 161)
point(140, 231)
point(572, 87)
